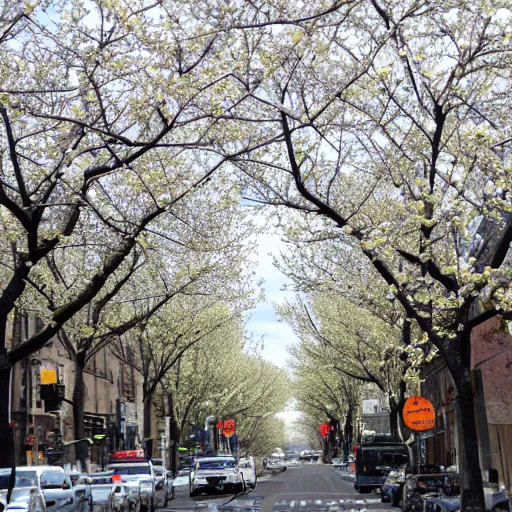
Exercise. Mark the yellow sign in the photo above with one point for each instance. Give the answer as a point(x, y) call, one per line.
point(48, 375)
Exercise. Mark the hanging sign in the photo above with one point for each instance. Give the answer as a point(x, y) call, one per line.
point(419, 414)
point(228, 430)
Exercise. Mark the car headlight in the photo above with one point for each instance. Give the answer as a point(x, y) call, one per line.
point(200, 481)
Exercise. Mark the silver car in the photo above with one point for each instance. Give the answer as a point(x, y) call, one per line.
point(26, 495)
point(54, 486)
point(102, 497)
point(247, 467)
point(163, 478)
point(212, 475)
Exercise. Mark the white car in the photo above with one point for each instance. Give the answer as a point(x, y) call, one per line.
point(141, 472)
point(212, 475)
point(46, 487)
point(247, 467)
point(26, 495)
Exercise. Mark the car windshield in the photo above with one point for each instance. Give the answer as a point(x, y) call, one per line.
point(54, 480)
point(131, 470)
point(98, 480)
point(101, 493)
point(215, 464)
point(22, 478)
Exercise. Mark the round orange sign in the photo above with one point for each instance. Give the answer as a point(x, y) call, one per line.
point(419, 413)
point(229, 428)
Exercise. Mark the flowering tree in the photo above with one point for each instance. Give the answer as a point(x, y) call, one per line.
point(341, 337)
point(394, 125)
point(104, 107)
point(220, 376)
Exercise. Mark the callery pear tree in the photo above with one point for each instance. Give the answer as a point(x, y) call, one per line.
point(395, 131)
point(358, 345)
point(105, 110)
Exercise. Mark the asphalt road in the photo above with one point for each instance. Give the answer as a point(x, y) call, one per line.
point(312, 487)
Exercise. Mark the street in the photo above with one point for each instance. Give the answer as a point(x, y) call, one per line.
point(309, 487)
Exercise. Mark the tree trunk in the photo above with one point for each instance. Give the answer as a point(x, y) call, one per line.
point(148, 402)
point(174, 436)
point(348, 434)
point(81, 449)
point(395, 414)
point(458, 361)
point(7, 451)
point(471, 485)
point(394, 411)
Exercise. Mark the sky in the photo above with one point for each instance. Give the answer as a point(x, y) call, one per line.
point(263, 321)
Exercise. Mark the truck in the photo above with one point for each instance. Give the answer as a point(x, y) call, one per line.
point(377, 455)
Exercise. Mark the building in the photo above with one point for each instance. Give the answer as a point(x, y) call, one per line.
point(113, 402)
point(491, 371)
point(375, 410)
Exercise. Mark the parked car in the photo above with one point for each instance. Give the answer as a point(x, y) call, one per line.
point(417, 486)
point(247, 466)
point(121, 499)
point(53, 485)
point(102, 497)
point(135, 468)
point(391, 489)
point(216, 475)
point(166, 477)
point(495, 500)
point(26, 495)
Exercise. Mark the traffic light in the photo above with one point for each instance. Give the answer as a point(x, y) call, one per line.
point(98, 439)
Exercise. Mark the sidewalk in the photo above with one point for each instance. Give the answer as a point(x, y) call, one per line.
point(346, 475)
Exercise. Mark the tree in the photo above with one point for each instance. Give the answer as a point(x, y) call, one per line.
point(356, 344)
point(398, 137)
point(100, 135)
point(221, 377)
point(324, 393)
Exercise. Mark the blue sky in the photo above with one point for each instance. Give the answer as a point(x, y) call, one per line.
point(263, 321)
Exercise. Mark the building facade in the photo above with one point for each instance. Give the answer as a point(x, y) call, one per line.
point(113, 402)
point(491, 371)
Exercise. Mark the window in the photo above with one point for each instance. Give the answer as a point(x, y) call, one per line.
point(131, 470)
point(22, 479)
point(54, 480)
point(214, 464)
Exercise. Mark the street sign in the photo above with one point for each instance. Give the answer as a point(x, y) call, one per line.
point(419, 414)
point(228, 429)
point(325, 428)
